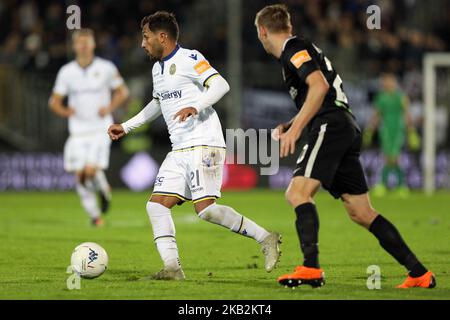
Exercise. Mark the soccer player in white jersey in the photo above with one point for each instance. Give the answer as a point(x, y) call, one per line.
point(185, 87)
point(94, 89)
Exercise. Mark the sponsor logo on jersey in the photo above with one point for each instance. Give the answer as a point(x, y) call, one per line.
point(173, 69)
point(202, 66)
point(300, 58)
point(193, 56)
point(159, 181)
point(293, 92)
point(171, 95)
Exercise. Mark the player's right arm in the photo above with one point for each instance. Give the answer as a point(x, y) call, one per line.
point(299, 60)
point(148, 114)
point(60, 90)
point(372, 124)
point(370, 128)
point(414, 140)
point(56, 105)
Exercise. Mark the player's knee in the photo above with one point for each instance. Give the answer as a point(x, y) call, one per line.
point(155, 209)
point(161, 220)
point(89, 172)
point(168, 202)
point(202, 205)
point(211, 213)
point(81, 178)
point(297, 196)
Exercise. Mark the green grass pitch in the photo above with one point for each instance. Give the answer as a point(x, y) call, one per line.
point(38, 232)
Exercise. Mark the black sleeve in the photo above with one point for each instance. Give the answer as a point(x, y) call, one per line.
point(301, 60)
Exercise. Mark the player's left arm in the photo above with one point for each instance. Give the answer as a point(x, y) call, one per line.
point(198, 69)
point(317, 90)
point(217, 87)
point(119, 97)
point(406, 113)
point(414, 140)
point(120, 93)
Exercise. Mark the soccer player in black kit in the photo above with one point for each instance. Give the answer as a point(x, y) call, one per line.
point(331, 156)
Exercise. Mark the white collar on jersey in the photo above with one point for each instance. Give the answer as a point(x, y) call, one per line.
point(174, 51)
point(287, 40)
point(87, 66)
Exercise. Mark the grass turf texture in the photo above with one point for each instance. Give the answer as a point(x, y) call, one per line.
point(38, 232)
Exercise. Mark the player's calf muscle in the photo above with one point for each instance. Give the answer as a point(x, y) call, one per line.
point(359, 209)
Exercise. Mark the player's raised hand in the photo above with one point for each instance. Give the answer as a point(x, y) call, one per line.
point(279, 130)
point(288, 141)
point(185, 113)
point(116, 131)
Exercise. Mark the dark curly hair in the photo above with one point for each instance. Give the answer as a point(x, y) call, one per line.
point(162, 21)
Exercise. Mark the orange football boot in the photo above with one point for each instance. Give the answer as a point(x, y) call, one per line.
point(303, 275)
point(426, 281)
point(98, 222)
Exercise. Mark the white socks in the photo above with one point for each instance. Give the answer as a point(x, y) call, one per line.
point(164, 228)
point(164, 235)
point(229, 218)
point(88, 198)
point(102, 184)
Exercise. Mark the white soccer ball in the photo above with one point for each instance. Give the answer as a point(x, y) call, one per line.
point(89, 260)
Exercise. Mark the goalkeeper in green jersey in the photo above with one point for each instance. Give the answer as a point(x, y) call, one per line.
point(391, 106)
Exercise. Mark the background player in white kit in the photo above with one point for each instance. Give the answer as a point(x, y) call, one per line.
point(88, 82)
point(185, 87)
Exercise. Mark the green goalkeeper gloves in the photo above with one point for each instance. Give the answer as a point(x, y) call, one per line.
point(367, 137)
point(414, 140)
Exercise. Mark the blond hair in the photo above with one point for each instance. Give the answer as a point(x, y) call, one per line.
point(83, 32)
point(275, 18)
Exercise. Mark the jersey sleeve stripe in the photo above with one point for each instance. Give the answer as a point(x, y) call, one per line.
point(205, 83)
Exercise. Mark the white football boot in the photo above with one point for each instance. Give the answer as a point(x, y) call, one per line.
point(166, 274)
point(270, 247)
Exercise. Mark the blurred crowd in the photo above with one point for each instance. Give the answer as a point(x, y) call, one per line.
point(33, 34)
point(407, 31)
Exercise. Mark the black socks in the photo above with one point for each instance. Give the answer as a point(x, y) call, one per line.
point(391, 241)
point(307, 224)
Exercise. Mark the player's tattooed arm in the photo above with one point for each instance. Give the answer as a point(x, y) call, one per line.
point(317, 90)
point(56, 105)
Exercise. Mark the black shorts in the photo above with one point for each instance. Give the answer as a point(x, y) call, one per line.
point(331, 154)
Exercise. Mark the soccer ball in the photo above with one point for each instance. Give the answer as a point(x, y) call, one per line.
point(89, 260)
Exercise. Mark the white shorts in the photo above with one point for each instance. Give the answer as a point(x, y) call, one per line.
point(191, 174)
point(89, 149)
